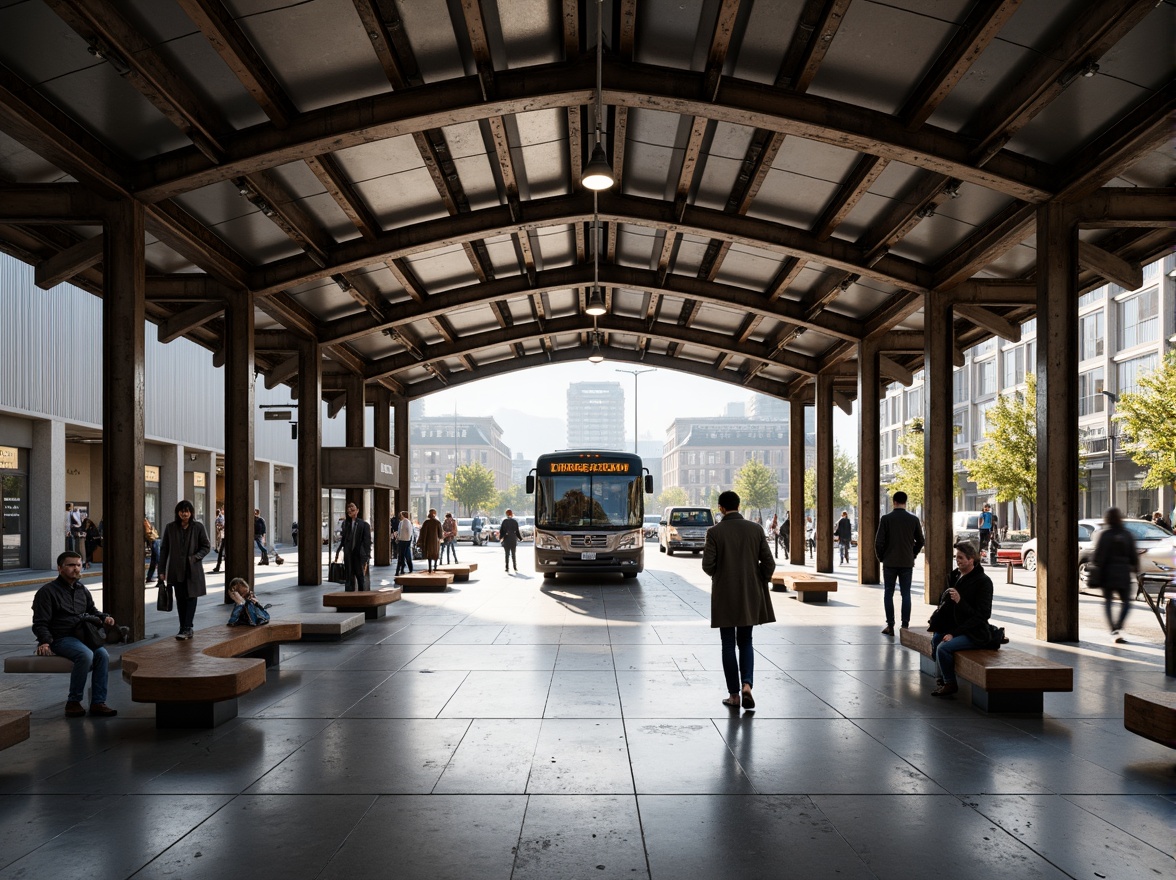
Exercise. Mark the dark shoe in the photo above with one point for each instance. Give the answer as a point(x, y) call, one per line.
point(215, 571)
point(101, 710)
point(183, 635)
point(946, 690)
point(889, 631)
point(74, 710)
point(938, 681)
point(748, 700)
point(731, 703)
point(266, 562)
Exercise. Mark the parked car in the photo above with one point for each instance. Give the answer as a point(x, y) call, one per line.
point(650, 524)
point(465, 528)
point(683, 528)
point(1154, 543)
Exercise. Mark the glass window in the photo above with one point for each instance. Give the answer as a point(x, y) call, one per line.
point(960, 426)
point(1130, 371)
point(1014, 366)
point(982, 417)
point(914, 402)
point(1090, 387)
point(1092, 329)
point(1092, 297)
point(1139, 319)
point(986, 377)
point(1152, 270)
point(959, 381)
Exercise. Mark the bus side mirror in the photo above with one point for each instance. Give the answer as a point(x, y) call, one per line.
point(649, 484)
point(530, 485)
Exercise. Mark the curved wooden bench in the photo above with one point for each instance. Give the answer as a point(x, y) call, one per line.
point(196, 682)
point(425, 582)
point(808, 587)
point(14, 726)
point(1151, 714)
point(1006, 680)
point(461, 571)
point(373, 603)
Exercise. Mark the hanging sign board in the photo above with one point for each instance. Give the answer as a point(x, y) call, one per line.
point(358, 467)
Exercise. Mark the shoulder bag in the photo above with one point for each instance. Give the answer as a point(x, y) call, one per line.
point(163, 598)
point(90, 632)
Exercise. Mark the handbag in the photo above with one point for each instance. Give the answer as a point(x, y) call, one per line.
point(336, 573)
point(163, 599)
point(941, 619)
point(249, 613)
point(90, 632)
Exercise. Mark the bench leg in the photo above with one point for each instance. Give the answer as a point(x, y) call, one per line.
point(374, 613)
point(271, 654)
point(194, 716)
point(812, 596)
point(1023, 702)
point(927, 666)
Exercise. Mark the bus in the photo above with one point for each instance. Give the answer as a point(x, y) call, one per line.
point(589, 512)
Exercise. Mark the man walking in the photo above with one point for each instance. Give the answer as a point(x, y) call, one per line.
point(844, 535)
point(898, 542)
point(985, 525)
point(219, 523)
point(58, 608)
point(357, 549)
point(259, 532)
point(404, 544)
point(510, 535)
point(739, 561)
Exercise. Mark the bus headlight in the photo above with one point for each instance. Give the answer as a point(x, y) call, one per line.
point(628, 542)
point(544, 541)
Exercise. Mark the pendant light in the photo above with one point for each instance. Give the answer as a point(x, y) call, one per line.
point(598, 174)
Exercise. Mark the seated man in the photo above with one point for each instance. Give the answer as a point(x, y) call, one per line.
point(57, 610)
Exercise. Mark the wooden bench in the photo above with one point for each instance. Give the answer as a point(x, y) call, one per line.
point(14, 726)
point(1151, 714)
point(808, 587)
point(1005, 680)
point(425, 582)
point(373, 603)
point(195, 683)
point(324, 626)
point(461, 571)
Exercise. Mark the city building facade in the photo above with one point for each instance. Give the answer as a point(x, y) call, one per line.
point(438, 445)
point(596, 415)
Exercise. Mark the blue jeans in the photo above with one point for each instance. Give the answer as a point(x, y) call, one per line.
point(741, 637)
point(259, 543)
point(449, 549)
point(944, 654)
point(154, 559)
point(404, 561)
point(903, 575)
point(84, 660)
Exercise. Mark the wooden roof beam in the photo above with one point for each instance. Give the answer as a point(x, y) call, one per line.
point(67, 263)
point(1127, 275)
point(182, 323)
point(990, 321)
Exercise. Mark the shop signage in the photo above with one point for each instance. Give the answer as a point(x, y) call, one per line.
point(8, 456)
point(151, 473)
point(198, 479)
point(359, 467)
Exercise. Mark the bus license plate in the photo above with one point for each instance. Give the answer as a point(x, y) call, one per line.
point(587, 555)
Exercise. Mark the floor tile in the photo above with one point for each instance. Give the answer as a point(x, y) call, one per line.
point(581, 757)
point(579, 694)
point(568, 838)
point(494, 757)
point(683, 757)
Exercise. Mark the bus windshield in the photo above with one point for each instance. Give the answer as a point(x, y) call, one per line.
point(597, 499)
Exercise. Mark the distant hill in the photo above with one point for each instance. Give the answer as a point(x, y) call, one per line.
point(531, 435)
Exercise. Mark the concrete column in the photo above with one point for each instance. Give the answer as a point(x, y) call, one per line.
point(938, 477)
point(239, 416)
point(206, 465)
point(401, 444)
point(354, 412)
point(47, 494)
point(796, 440)
point(123, 322)
point(283, 506)
point(263, 475)
point(171, 481)
point(1057, 423)
point(310, 441)
point(826, 516)
point(382, 498)
point(869, 462)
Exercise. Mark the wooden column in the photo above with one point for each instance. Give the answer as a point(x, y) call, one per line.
point(382, 498)
point(239, 413)
point(869, 462)
point(938, 477)
point(1057, 424)
point(796, 447)
point(353, 413)
point(400, 447)
point(310, 442)
point(825, 516)
point(123, 316)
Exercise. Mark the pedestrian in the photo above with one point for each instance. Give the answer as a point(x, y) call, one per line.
point(476, 528)
point(92, 540)
point(357, 549)
point(774, 533)
point(785, 535)
point(429, 540)
point(70, 518)
point(58, 607)
point(181, 552)
point(510, 535)
point(810, 535)
point(984, 523)
point(219, 524)
point(1115, 561)
point(151, 542)
point(740, 564)
point(961, 620)
point(844, 534)
point(898, 542)
point(449, 539)
point(77, 534)
point(404, 544)
point(1160, 520)
point(259, 533)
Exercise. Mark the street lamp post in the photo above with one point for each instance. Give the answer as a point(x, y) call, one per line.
point(1112, 399)
point(635, 374)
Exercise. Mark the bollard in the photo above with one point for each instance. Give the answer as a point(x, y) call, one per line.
point(1010, 574)
point(1170, 640)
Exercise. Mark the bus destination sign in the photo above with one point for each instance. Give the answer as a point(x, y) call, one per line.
point(590, 467)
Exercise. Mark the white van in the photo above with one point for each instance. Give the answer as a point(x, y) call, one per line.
point(683, 528)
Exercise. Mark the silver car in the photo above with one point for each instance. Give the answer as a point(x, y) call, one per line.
point(1154, 543)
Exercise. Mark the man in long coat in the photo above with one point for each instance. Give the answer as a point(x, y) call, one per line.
point(738, 559)
point(429, 540)
point(357, 549)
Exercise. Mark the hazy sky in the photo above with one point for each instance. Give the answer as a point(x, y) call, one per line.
point(662, 396)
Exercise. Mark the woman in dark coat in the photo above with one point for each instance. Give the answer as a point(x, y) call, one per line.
point(737, 558)
point(961, 620)
point(429, 540)
point(185, 543)
point(1115, 560)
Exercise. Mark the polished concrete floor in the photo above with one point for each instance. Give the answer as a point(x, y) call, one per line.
point(513, 728)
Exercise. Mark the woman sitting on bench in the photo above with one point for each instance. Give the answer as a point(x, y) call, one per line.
point(961, 620)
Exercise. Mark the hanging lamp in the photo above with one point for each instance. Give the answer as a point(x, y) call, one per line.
point(598, 174)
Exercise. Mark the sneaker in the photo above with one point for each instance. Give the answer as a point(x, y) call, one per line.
point(101, 710)
point(1119, 640)
point(183, 635)
point(889, 631)
point(74, 710)
point(946, 690)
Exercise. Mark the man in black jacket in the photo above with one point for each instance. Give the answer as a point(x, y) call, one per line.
point(898, 542)
point(259, 532)
point(57, 610)
point(357, 549)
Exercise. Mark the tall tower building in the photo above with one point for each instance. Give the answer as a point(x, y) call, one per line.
point(596, 415)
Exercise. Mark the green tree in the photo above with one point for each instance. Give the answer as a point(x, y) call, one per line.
point(908, 474)
point(1007, 459)
point(471, 486)
point(1148, 417)
point(515, 498)
point(756, 484)
point(672, 496)
point(845, 480)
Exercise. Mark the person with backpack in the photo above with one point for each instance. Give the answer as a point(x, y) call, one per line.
point(1115, 561)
